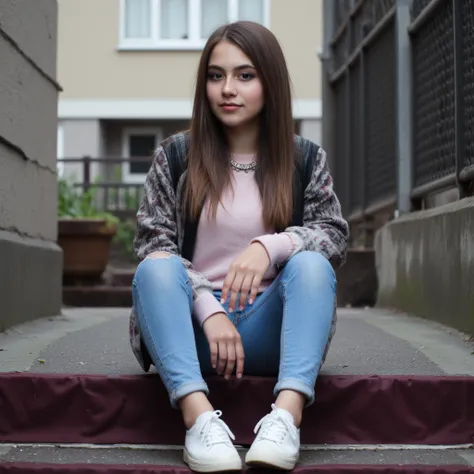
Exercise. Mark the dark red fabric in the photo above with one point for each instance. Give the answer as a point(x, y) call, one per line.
point(135, 409)
point(37, 468)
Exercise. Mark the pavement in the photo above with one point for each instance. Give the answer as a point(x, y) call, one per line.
point(367, 341)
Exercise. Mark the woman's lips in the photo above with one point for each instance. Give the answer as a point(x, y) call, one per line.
point(230, 107)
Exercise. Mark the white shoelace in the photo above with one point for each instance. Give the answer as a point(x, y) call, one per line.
point(215, 431)
point(274, 427)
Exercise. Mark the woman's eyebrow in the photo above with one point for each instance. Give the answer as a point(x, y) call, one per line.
point(238, 68)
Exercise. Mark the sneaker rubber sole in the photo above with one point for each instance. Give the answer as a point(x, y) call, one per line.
point(270, 460)
point(213, 466)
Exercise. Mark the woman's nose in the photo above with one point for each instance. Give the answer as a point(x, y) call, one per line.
point(229, 88)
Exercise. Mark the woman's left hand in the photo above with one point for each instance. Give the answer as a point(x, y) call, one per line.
point(245, 274)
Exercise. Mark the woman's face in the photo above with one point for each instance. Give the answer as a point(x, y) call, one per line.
point(234, 90)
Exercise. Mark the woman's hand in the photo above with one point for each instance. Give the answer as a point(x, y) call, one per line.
point(225, 343)
point(245, 274)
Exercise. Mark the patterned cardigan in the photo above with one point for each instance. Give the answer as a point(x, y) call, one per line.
point(160, 223)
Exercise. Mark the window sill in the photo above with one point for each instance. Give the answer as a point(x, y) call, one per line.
point(191, 46)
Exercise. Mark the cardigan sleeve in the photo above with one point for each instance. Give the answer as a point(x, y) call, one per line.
point(324, 230)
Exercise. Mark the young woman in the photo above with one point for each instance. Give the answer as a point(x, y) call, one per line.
point(238, 234)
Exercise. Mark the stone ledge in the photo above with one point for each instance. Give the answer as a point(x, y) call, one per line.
point(425, 264)
point(30, 280)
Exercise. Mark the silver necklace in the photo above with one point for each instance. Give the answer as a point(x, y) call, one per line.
point(243, 167)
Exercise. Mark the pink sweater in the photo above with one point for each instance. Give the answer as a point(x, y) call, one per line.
point(238, 222)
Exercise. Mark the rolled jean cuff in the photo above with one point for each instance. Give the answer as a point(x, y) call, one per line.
point(297, 386)
point(186, 389)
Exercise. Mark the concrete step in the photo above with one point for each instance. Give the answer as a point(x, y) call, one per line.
point(121, 276)
point(388, 378)
point(114, 291)
point(80, 296)
point(147, 459)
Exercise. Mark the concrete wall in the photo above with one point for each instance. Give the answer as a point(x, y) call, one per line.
point(30, 260)
point(425, 264)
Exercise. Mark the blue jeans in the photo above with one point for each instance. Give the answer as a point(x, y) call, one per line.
point(284, 332)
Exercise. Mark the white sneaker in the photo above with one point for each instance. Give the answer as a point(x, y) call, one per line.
point(208, 448)
point(277, 443)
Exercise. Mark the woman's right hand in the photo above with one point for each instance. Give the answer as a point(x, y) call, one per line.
point(225, 344)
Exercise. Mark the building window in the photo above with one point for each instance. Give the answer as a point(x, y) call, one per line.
point(140, 143)
point(182, 24)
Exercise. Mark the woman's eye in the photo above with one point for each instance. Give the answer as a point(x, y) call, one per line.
point(214, 76)
point(246, 76)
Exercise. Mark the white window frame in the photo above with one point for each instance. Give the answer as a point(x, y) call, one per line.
point(136, 178)
point(193, 43)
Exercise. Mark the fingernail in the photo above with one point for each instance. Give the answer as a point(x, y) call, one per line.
point(227, 377)
point(214, 366)
point(239, 376)
point(250, 301)
point(231, 310)
point(222, 300)
point(241, 307)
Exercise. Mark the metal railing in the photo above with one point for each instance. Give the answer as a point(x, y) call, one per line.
point(105, 177)
point(400, 77)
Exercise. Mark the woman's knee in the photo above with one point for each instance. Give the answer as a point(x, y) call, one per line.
point(163, 271)
point(312, 267)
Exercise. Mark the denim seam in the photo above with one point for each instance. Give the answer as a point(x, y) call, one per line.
point(296, 380)
point(174, 391)
point(168, 379)
point(258, 304)
point(311, 389)
point(282, 286)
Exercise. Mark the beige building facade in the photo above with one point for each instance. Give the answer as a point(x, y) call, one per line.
point(30, 260)
point(127, 68)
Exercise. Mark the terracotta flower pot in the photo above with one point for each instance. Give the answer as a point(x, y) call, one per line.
point(86, 246)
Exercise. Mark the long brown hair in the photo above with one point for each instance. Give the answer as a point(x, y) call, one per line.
point(208, 168)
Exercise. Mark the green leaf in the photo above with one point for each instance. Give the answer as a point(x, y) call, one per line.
point(75, 202)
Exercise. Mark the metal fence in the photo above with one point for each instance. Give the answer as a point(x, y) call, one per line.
point(400, 86)
point(102, 179)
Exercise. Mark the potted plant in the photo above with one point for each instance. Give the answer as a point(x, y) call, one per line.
point(84, 233)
